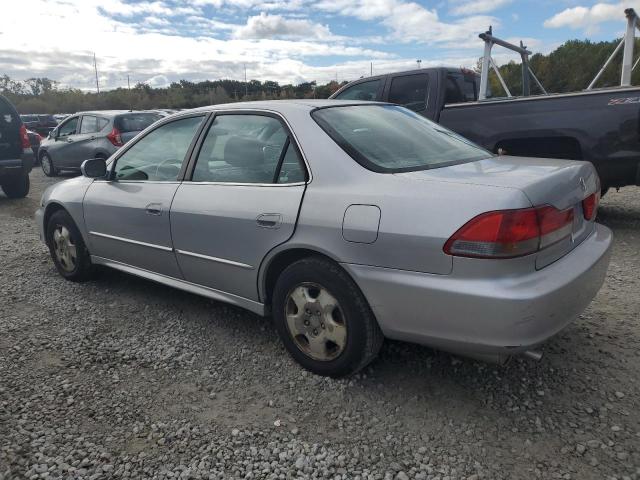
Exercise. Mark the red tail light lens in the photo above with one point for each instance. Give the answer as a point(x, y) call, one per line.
point(510, 233)
point(24, 138)
point(590, 205)
point(115, 138)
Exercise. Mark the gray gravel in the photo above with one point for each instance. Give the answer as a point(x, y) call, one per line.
point(123, 378)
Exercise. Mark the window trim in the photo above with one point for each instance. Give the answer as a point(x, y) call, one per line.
point(237, 111)
point(152, 128)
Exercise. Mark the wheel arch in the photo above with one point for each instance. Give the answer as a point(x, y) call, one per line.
point(53, 207)
point(564, 147)
point(275, 264)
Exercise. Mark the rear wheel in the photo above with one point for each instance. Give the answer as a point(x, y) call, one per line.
point(47, 165)
point(68, 251)
point(323, 319)
point(16, 187)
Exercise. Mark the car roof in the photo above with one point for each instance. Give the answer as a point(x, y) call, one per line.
point(112, 113)
point(281, 106)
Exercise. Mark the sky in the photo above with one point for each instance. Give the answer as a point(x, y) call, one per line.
point(289, 41)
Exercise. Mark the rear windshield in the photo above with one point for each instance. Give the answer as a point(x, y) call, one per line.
point(391, 139)
point(135, 122)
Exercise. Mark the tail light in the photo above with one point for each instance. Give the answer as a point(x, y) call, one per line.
point(115, 138)
point(590, 205)
point(511, 233)
point(24, 138)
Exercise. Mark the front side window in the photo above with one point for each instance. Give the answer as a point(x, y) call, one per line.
point(68, 128)
point(247, 149)
point(390, 139)
point(89, 124)
point(360, 91)
point(410, 91)
point(158, 156)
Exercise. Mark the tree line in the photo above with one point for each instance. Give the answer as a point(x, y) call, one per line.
point(570, 67)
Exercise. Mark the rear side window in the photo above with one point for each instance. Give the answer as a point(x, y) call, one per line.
point(135, 122)
point(248, 149)
point(410, 91)
point(360, 91)
point(461, 88)
point(89, 124)
point(29, 118)
point(391, 139)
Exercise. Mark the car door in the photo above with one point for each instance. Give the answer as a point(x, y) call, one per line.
point(84, 141)
point(61, 149)
point(241, 200)
point(127, 214)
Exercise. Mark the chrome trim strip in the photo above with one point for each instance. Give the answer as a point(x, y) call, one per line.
point(215, 259)
point(208, 292)
point(239, 184)
point(135, 242)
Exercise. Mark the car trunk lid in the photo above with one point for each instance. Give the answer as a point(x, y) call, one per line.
point(561, 183)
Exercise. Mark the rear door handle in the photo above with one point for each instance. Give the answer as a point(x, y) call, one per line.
point(154, 209)
point(269, 220)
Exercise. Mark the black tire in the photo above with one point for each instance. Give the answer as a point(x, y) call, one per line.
point(80, 270)
point(47, 165)
point(16, 187)
point(363, 335)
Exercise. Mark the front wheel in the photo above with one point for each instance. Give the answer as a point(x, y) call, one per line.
point(16, 187)
point(47, 165)
point(323, 319)
point(67, 248)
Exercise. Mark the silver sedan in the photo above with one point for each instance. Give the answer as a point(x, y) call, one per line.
point(347, 222)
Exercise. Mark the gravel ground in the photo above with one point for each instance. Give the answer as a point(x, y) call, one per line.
point(124, 378)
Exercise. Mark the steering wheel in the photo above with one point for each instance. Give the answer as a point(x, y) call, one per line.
point(166, 171)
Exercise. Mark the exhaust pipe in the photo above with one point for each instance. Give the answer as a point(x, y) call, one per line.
point(533, 355)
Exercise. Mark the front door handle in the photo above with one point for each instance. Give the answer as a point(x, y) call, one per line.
point(269, 220)
point(154, 209)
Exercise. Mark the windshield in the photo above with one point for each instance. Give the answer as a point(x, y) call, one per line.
point(391, 139)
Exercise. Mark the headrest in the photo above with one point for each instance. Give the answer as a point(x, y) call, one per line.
point(243, 152)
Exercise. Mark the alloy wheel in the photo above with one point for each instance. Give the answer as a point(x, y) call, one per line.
point(316, 322)
point(45, 163)
point(64, 248)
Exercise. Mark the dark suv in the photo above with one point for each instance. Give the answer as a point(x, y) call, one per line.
point(16, 156)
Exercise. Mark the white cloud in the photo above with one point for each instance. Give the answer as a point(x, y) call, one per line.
point(410, 21)
point(277, 26)
point(474, 7)
point(590, 17)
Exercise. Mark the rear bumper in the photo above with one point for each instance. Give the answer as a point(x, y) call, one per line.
point(18, 166)
point(499, 315)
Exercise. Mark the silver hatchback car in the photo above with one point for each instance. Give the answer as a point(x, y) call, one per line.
point(347, 222)
point(90, 135)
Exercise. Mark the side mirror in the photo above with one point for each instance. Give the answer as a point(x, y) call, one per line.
point(94, 168)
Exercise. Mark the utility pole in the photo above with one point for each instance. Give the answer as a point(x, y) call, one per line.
point(371, 70)
point(419, 63)
point(95, 67)
point(128, 83)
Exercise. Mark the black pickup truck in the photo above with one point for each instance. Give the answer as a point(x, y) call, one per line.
point(601, 126)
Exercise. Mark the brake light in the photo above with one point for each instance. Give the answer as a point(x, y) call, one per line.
point(590, 205)
point(115, 138)
point(24, 138)
point(511, 233)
